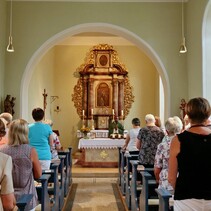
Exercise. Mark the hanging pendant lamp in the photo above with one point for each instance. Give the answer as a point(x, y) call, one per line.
point(183, 48)
point(10, 47)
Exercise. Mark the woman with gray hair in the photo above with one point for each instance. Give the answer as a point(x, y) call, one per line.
point(147, 141)
point(173, 126)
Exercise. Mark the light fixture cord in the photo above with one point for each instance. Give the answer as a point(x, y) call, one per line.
point(183, 34)
point(10, 18)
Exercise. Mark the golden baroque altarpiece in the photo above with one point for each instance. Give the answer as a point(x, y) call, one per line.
point(103, 88)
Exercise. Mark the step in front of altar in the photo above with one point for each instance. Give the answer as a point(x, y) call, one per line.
point(83, 172)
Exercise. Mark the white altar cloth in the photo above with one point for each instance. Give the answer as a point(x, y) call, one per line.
point(100, 143)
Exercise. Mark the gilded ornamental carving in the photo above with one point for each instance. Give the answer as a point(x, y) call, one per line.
point(103, 84)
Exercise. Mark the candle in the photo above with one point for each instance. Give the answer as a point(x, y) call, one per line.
point(83, 112)
point(113, 111)
point(92, 111)
point(122, 114)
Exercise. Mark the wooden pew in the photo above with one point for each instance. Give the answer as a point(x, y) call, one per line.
point(122, 172)
point(128, 177)
point(165, 199)
point(61, 181)
point(136, 189)
point(23, 201)
point(42, 192)
point(119, 165)
point(67, 169)
point(148, 197)
point(53, 190)
point(70, 164)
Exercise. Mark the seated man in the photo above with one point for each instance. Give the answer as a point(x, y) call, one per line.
point(115, 127)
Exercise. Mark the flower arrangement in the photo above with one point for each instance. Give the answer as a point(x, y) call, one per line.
point(85, 129)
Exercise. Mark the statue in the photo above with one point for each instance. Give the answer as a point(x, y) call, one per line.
point(9, 104)
point(182, 108)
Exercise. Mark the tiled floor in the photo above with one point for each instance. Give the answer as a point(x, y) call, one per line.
point(95, 183)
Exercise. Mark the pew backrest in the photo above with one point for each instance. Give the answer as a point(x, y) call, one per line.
point(164, 199)
point(23, 201)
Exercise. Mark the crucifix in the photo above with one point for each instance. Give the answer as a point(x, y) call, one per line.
point(44, 101)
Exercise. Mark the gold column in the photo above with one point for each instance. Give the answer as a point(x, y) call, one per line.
point(121, 97)
point(115, 96)
point(84, 81)
point(91, 97)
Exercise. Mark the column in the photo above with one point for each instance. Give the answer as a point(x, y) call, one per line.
point(115, 96)
point(90, 96)
point(121, 97)
point(84, 101)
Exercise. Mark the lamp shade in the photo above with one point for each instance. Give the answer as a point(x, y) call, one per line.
point(183, 48)
point(10, 47)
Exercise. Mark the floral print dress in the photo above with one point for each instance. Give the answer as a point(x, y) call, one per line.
point(161, 161)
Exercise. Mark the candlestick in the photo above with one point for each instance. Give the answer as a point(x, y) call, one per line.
point(122, 113)
point(83, 112)
point(113, 111)
point(92, 111)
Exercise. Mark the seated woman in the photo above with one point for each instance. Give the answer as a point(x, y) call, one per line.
point(26, 165)
point(173, 126)
point(7, 201)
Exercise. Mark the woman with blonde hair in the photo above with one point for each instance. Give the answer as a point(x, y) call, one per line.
point(26, 165)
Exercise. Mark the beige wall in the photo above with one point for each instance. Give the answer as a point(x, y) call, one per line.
point(195, 14)
point(43, 78)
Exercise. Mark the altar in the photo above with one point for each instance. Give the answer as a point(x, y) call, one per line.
point(100, 152)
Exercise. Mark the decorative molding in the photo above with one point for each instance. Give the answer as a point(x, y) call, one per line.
point(129, 97)
point(77, 97)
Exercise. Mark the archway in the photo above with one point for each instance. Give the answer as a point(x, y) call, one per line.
point(93, 27)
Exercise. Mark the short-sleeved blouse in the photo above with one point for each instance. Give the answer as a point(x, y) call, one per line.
point(39, 139)
point(161, 161)
point(150, 137)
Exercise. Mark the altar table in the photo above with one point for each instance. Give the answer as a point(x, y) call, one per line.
point(100, 152)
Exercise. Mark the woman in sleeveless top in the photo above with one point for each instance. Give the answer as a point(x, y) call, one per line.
point(130, 142)
point(190, 160)
point(26, 165)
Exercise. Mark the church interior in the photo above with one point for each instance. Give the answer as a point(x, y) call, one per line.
point(85, 62)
